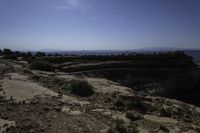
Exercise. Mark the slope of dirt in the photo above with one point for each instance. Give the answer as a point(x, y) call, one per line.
point(28, 105)
point(107, 86)
point(18, 87)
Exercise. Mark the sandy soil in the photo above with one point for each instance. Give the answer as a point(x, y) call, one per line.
point(19, 88)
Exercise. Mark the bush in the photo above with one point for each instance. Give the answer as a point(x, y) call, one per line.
point(41, 65)
point(7, 52)
point(119, 104)
point(1, 52)
point(134, 129)
point(121, 127)
point(40, 54)
point(81, 88)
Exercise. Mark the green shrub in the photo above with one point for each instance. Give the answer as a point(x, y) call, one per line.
point(81, 88)
point(41, 65)
point(40, 54)
point(7, 52)
point(134, 129)
point(121, 127)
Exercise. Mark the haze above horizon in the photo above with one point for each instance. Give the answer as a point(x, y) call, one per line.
point(99, 24)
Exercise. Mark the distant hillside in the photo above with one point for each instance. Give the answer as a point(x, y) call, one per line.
point(194, 53)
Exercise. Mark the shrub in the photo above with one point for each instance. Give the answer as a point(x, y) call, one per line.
point(121, 127)
point(119, 104)
point(81, 88)
point(41, 65)
point(0, 52)
point(134, 129)
point(40, 54)
point(7, 52)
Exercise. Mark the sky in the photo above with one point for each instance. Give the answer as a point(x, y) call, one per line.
point(99, 24)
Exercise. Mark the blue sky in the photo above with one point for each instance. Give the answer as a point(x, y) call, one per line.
point(99, 24)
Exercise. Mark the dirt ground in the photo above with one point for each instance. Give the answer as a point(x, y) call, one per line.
point(30, 106)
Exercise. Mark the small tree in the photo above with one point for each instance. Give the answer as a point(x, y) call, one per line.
point(81, 88)
point(40, 54)
point(7, 52)
point(0, 52)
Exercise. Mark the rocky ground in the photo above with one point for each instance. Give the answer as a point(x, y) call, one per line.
point(34, 102)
